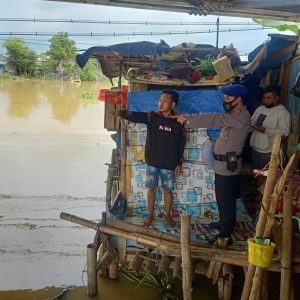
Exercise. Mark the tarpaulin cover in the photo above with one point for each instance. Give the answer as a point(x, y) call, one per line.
point(274, 57)
point(138, 49)
point(115, 96)
point(191, 102)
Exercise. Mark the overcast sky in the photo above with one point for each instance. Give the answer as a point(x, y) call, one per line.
point(42, 9)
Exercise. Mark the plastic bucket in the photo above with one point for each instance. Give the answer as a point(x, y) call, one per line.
point(260, 255)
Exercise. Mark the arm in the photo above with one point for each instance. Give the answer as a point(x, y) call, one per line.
point(253, 118)
point(211, 120)
point(135, 117)
point(283, 126)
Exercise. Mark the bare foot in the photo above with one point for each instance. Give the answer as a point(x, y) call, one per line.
point(148, 221)
point(170, 221)
point(223, 243)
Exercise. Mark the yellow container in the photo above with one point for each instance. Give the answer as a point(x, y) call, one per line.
point(260, 255)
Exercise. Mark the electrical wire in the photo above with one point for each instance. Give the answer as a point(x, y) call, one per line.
point(110, 22)
point(116, 34)
point(27, 40)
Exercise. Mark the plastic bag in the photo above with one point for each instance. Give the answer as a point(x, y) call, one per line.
point(296, 88)
point(207, 154)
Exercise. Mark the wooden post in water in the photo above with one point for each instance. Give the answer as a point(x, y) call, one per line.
point(92, 287)
point(286, 258)
point(186, 257)
point(113, 271)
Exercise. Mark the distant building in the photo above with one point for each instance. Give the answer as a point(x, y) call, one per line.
point(6, 66)
point(3, 62)
point(42, 58)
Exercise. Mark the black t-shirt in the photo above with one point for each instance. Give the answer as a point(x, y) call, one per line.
point(165, 138)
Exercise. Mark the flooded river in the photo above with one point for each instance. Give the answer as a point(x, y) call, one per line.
point(53, 151)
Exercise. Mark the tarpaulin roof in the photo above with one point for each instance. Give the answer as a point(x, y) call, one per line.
point(135, 49)
point(279, 48)
point(144, 55)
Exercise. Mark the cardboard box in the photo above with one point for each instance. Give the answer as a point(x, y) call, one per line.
point(223, 68)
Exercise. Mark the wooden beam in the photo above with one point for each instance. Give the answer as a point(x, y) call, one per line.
point(185, 238)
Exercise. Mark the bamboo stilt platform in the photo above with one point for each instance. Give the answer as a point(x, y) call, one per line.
point(203, 252)
point(161, 252)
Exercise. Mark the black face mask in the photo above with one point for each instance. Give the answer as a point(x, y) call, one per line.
point(228, 106)
point(269, 105)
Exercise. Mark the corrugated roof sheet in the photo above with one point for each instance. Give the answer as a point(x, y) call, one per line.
point(288, 10)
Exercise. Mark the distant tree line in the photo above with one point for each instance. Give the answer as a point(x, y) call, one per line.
point(58, 61)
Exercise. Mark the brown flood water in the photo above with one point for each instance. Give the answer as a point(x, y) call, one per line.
point(53, 151)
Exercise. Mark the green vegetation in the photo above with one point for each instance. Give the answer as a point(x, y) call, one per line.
point(163, 282)
point(21, 56)
point(88, 98)
point(205, 66)
point(57, 62)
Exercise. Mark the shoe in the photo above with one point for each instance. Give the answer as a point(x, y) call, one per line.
point(215, 225)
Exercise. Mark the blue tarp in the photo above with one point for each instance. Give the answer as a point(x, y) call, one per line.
point(191, 102)
point(273, 57)
point(294, 102)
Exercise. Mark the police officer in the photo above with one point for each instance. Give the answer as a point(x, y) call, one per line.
point(235, 123)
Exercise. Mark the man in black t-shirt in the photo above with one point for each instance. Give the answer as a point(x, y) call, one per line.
point(163, 151)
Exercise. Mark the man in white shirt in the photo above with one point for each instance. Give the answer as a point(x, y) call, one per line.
point(268, 120)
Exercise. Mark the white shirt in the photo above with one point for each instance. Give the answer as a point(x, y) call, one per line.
point(275, 120)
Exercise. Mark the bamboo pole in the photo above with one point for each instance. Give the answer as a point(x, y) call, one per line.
point(210, 268)
point(225, 283)
point(107, 257)
point(285, 283)
point(137, 262)
point(109, 181)
point(78, 220)
point(148, 231)
point(257, 278)
point(177, 271)
point(186, 257)
point(164, 264)
point(150, 263)
point(113, 271)
point(277, 236)
point(216, 272)
point(270, 183)
point(233, 257)
point(123, 159)
point(92, 288)
point(270, 217)
point(265, 286)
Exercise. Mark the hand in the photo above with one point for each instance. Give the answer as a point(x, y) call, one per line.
point(115, 113)
point(178, 170)
point(180, 118)
point(260, 129)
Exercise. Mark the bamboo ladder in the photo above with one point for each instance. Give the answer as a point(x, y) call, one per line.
point(252, 285)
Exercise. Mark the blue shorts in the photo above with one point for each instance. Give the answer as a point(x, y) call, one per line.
point(167, 178)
